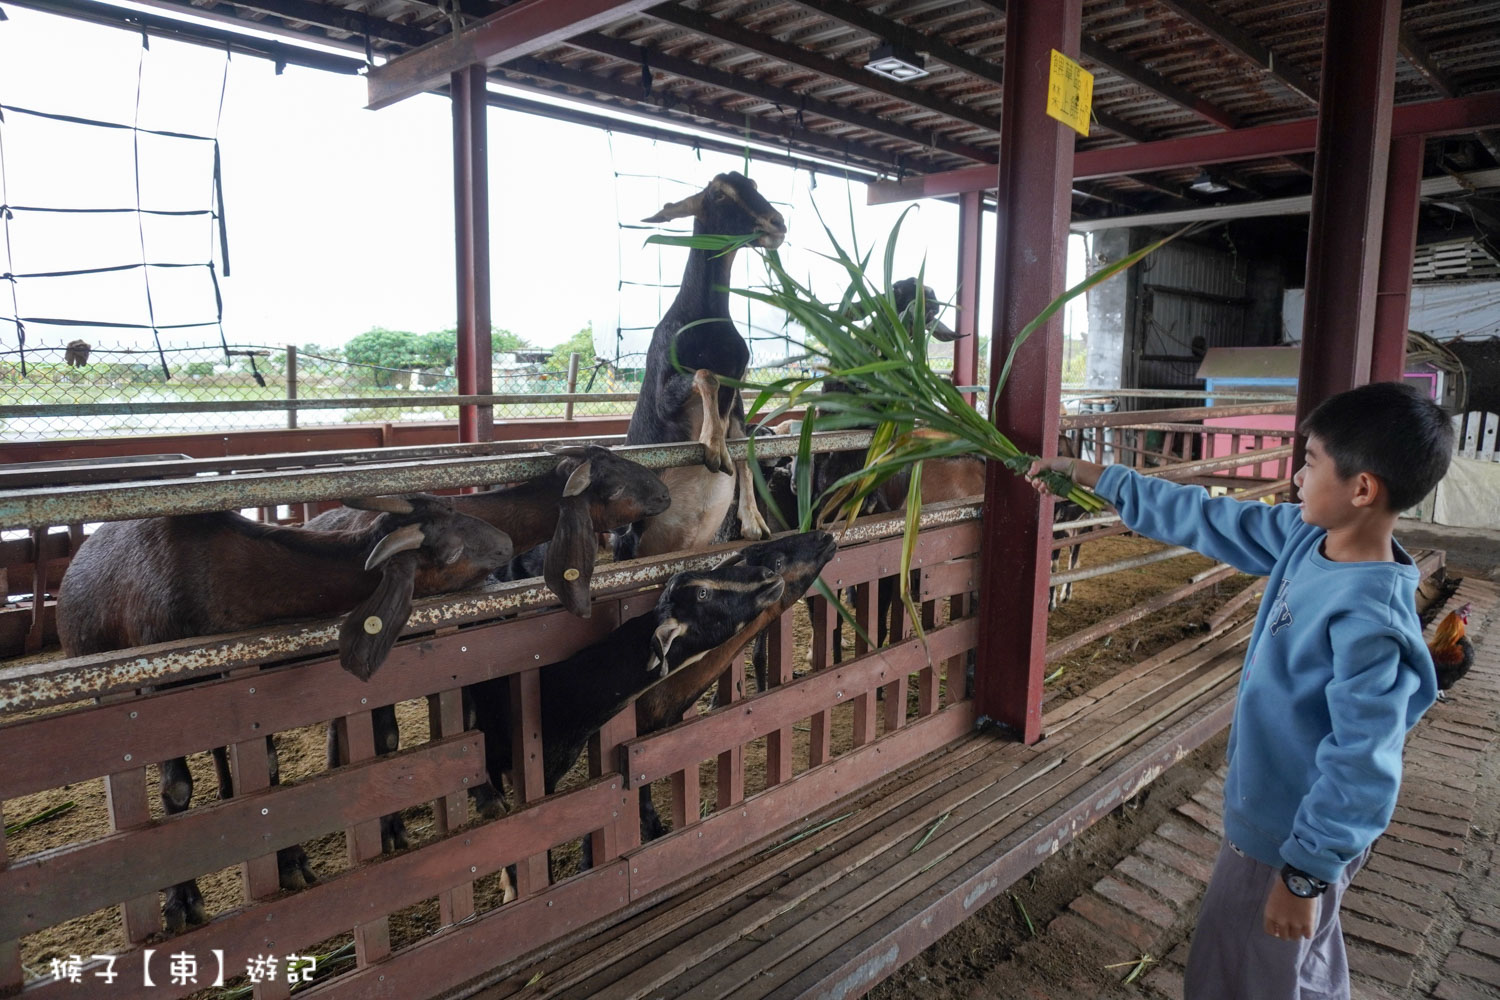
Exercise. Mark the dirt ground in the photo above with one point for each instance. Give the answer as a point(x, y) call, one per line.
point(977, 944)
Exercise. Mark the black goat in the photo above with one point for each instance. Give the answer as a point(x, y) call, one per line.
point(681, 398)
point(553, 518)
point(797, 560)
point(695, 613)
point(135, 583)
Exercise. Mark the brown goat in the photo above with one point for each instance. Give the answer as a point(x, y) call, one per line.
point(553, 521)
point(134, 583)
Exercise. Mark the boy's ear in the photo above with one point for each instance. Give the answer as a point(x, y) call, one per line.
point(1369, 491)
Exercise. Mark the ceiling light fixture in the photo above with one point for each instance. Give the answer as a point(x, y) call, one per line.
point(895, 62)
point(1205, 184)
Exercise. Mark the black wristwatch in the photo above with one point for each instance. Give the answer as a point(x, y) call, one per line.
point(1301, 884)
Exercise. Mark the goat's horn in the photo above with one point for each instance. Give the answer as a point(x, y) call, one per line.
point(390, 505)
point(403, 539)
point(661, 641)
point(579, 480)
point(691, 205)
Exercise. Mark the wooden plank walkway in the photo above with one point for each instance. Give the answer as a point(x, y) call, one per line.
point(864, 885)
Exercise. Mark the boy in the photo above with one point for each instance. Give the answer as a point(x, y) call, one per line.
point(1335, 675)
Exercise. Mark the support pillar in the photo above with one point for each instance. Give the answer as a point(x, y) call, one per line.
point(1398, 246)
point(966, 350)
point(1034, 200)
point(471, 207)
point(1348, 201)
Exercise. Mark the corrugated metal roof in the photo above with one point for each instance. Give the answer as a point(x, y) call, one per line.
point(792, 71)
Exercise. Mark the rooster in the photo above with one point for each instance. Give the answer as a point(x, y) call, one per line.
point(1452, 652)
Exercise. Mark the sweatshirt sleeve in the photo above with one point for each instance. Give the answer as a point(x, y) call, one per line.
point(1248, 535)
point(1359, 762)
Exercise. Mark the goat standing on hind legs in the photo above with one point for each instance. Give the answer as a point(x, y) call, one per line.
point(682, 398)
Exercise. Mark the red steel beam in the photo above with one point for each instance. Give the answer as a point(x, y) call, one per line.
point(1425, 119)
point(1031, 235)
point(966, 350)
point(519, 30)
point(472, 257)
point(1348, 200)
point(1398, 244)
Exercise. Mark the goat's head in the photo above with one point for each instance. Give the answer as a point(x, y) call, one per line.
point(603, 492)
point(698, 611)
point(424, 546)
point(904, 297)
point(731, 205)
point(796, 559)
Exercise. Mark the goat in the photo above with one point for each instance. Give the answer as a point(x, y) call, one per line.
point(797, 560)
point(552, 519)
point(695, 613)
point(681, 399)
point(134, 583)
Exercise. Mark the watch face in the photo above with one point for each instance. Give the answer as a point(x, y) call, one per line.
point(1299, 886)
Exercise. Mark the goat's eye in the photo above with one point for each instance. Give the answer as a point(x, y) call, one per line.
point(702, 593)
point(778, 563)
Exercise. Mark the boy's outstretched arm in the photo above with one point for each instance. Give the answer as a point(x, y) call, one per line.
point(1246, 534)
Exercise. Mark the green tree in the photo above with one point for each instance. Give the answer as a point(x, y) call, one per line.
point(440, 348)
point(581, 342)
point(385, 348)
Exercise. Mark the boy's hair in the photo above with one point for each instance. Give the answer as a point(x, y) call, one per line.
point(1388, 429)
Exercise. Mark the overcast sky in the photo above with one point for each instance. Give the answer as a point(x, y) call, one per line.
point(341, 219)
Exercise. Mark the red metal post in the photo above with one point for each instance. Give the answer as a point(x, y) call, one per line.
point(1348, 205)
point(472, 258)
point(966, 350)
point(1031, 234)
point(1398, 242)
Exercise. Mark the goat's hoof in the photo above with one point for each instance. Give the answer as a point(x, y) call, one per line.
point(488, 801)
point(293, 869)
point(393, 833)
point(184, 908)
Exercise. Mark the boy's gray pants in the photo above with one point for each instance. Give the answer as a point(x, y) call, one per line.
point(1233, 958)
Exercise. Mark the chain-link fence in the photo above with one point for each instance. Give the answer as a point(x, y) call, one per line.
point(70, 381)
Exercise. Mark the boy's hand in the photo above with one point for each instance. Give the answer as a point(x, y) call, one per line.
point(1290, 917)
point(1067, 466)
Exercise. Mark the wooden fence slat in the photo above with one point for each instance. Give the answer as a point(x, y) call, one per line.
point(624, 832)
point(445, 717)
point(730, 784)
point(527, 772)
point(125, 798)
point(653, 756)
point(57, 885)
point(376, 890)
point(820, 732)
point(780, 648)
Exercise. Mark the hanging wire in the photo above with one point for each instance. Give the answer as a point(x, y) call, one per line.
point(140, 221)
point(216, 197)
point(10, 279)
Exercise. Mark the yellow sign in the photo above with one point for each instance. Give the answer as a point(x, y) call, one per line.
point(1070, 93)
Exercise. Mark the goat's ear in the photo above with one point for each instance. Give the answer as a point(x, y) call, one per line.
point(390, 505)
point(569, 564)
point(661, 641)
point(369, 630)
point(732, 559)
point(691, 205)
point(579, 480)
point(403, 539)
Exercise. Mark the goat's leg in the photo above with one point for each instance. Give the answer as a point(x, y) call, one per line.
point(388, 740)
point(184, 905)
point(753, 526)
point(651, 824)
point(715, 426)
point(760, 661)
point(293, 869)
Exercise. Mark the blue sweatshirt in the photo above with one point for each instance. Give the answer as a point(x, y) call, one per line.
point(1335, 675)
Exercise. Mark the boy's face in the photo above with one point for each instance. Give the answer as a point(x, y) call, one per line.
point(1328, 500)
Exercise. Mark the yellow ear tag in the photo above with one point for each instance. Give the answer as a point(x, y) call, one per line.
point(373, 624)
point(570, 574)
